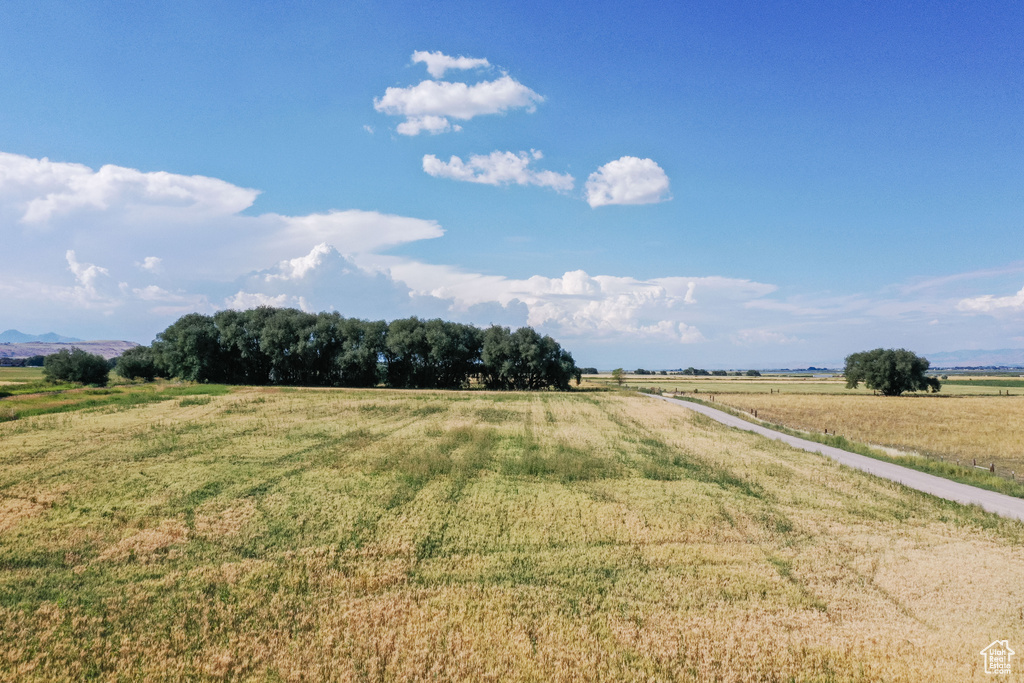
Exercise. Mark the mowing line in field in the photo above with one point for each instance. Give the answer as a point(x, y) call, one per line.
point(997, 503)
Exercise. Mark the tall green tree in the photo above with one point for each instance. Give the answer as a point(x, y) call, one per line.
point(525, 360)
point(889, 371)
point(137, 363)
point(190, 349)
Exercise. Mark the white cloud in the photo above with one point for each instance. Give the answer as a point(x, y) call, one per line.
point(94, 288)
point(628, 180)
point(415, 125)
point(993, 304)
point(245, 300)
point(297, 268)
point(438, 62)
point(578, 304)
point(151, 263)
point(354, 231)
point(429, 105)
point(43, 190)
point(498, 168)
point(172, 303)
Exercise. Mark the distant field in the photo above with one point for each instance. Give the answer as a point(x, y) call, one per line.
point(983, 386)
point(989, 428)
point(277, 534)
point(19, 375)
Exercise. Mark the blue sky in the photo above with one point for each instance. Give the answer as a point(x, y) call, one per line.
point(717, 184)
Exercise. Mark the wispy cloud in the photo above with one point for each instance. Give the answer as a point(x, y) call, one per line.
point(438, 62)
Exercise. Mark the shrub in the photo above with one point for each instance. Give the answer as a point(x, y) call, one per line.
point(76, 365)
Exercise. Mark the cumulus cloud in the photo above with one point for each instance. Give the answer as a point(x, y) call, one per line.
point(438, 62)
point(151, 263)
point(580, 305)
point(988, 303)
point(498, 168)
point(627, 180)
point(339, 259)
point(44, 189)
point(429, 105)
point(415, 125)
point(297, 268)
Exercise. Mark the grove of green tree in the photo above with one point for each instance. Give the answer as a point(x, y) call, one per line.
point(266, 345)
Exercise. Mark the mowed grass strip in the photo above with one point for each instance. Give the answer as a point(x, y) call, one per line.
point(275, 534)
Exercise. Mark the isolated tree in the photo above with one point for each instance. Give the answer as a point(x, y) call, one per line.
point(617, 376)
point(889, 371)
point(137, 363)
point(76, 365)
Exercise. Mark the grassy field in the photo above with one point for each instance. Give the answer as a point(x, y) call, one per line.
point(989, 429)
point(274, 534)
point(20, 375)
point(955, 386)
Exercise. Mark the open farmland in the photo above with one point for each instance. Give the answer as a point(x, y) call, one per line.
point(278, 534)
point(989, 428)
point(806, 384)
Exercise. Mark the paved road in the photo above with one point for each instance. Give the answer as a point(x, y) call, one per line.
point(1000, 504)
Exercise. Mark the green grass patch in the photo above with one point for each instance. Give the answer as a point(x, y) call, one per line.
point(120, 397)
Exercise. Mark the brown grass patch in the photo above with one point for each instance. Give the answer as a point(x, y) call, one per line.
point(228, 522)
point(989, 428)
point(142, 546)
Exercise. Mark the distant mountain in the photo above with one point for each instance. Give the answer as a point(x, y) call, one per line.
point(16, 337)
point(977, 358)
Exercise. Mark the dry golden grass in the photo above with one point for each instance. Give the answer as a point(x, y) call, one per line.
point(386, 535)
point(989, 428)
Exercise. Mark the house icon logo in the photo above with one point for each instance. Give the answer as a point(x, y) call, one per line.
point(997, 657)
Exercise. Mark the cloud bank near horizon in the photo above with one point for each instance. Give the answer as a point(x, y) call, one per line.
point(143, 248)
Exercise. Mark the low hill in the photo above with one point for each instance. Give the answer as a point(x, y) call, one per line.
point(105, 348)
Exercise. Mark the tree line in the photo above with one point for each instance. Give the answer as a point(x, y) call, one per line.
point(265, 346)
